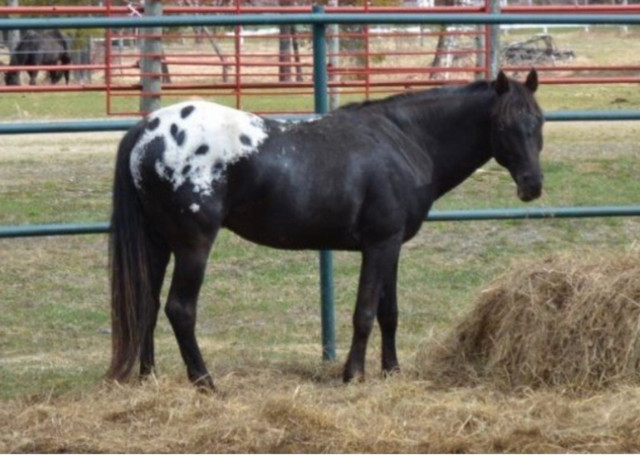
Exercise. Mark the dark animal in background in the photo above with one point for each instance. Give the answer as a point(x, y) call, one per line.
point(361, 178)
point(51, 47)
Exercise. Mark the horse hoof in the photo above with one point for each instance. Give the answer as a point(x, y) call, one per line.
point(350, 375)
point(146, 377)
point(390, 371)
point(204, 384)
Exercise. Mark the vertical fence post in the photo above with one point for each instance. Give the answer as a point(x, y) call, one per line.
point(151, 61)
point(13, 36)
point(320, 83)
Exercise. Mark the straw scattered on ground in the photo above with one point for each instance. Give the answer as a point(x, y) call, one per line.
point(276, 412)
point(505, 380)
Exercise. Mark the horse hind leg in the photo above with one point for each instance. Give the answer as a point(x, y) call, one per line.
point(65, 60)
point(158, 260)
point(54, 77)
point(190, 264)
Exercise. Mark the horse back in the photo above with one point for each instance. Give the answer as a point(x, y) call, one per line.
point(58, 43)
point(338, 180)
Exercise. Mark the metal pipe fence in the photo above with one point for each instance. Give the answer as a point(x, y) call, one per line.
point(68, 10)
point(319, 21)
point(466, 215)
point(366, 71)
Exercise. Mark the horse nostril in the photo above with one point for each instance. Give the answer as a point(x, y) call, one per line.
point(529, 186)
point(527, 195)
point(530, 180)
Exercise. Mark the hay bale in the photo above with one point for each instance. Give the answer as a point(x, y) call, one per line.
point(567, 321)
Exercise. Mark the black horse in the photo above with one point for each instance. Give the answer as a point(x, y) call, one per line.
point(361, 178)
point(50, 47)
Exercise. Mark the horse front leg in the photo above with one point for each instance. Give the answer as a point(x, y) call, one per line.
point(32, 77)
point(378, 264)
point(181, 306)
point(388, 321)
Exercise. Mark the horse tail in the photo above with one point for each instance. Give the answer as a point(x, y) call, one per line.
point(129, 249)
point(64, 41)
point(18, 57)
point(21, 50)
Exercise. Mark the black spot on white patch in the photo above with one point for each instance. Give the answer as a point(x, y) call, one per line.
point(244, 139)
point(181, 137)
point(186, 111)
point(155, 148)
point(203, 149)
point(186, 170)
point(152, 125)
point(177, 134)
point(218, 167)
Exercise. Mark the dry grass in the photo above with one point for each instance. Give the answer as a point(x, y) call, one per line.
point(533, 339)
point(280, 412)
point(567, 321)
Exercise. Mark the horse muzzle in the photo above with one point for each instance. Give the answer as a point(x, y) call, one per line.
point(529, 187)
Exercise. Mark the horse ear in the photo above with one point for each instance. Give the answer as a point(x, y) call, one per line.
point(532, 80)
point(501, 83)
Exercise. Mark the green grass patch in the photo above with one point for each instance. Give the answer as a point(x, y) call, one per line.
point(49, 106)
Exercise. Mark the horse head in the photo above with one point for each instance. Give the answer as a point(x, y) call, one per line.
point(516, 133)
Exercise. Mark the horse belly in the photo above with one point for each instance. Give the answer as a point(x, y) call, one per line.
point(286, 225)
point(340, 209)
point(292, 210)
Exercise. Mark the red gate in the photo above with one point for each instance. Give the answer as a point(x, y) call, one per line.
point(269, 69)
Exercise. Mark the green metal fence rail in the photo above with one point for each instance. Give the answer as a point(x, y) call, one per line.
point(465, 215)
point(90, 126)
point(321, 19)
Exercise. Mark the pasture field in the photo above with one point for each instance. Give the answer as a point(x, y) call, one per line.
point(259, 319)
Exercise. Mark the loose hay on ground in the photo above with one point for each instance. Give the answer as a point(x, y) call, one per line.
point(584, 311)
point(398, 415)
point(567, 321)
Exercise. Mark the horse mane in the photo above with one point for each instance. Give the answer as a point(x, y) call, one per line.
point(517, 100)
point(428, 94)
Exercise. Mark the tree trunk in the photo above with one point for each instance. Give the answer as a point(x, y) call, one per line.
point(284, 53)
point(13, 36)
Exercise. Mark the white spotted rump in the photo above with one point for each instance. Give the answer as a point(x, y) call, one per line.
point(200, 140)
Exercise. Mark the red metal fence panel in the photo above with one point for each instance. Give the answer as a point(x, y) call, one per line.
point(269, 69)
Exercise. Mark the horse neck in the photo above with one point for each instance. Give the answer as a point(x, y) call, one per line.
point(455, 132)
